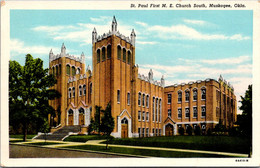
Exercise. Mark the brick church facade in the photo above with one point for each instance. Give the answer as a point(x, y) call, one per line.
point(141, 106)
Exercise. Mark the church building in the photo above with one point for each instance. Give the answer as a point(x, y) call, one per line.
point(141, 106)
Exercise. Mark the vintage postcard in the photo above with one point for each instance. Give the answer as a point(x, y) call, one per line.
point(130, 83)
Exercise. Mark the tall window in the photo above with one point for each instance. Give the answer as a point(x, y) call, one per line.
point(68, 69)
point(187, 96)
point(147, 132)
point(143, 116)
point(60, 69)
point(179, 113)
point(203, 111)
point(80, 90)
point(79, 70)
point(57, 70)
point(153, 132)
point(118, 52)
point(109, 51)
point(156, 117)
point(98, 55)
point(147, 116)
point(73, 91)
point(139, 132)
point(195, 94)
point(139, 99)
point(143, 132)
point(84, 89)
point(169, 112)
point(69, 94)
point(147, 101)
point(160, 109)
point(179, 97)
point(128, 57)
point(124, 55)
point(195, 112)
point(203, 94)
point(153, 108)
point(187, 112)
point(103, 53)
point(169, 98)
point(73, 71)
point(128, 98)
point(143, 100)
point(90, 88)
point(53, 71)
point(139, 115)
point(160, 132)
point(118, 96)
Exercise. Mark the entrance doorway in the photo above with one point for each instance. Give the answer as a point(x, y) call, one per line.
point(124, 128)
point(70, 117)
point(81, 116)
point(169, 130)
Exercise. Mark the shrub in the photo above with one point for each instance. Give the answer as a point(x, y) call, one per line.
point(197, 130)
point(189, 130)
point(181, 130)
point(209, 131)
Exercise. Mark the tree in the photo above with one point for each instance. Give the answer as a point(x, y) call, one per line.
point(181, 130)
point(29, 93)
point(189, 130)
point(96, 124)
point(107, 122)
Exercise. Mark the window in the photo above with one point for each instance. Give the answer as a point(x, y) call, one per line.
point(156, 132)
point(103, 53)
point(147, 101)
point(81, 111)
point(160, 132)
point(179, 113)
point(195, 112)
point(73, 71)
point(179, 97)
point(128, 98)
point(147, 116)
point(118, 96)
point(153, 108)
point(139, 115)
point(68, 69)
point(60, 69)
point(169, 98)
point(129, 57)
point(90, 88)
point(143, 116)
point(143, 100)
point(53, 71)
point(203, 94)
point(169, 112)
point(79, 70)
point(139, 132)
point(124, 55)
point(57, 70)
point(195, 95)
point(98, 55)
point(153, 132)
point(69, 94)
point(147, 132)
point(80, 90)
point(187, 96)
point(119, 52)
point(109, 51)
point(160, 109)
point(187, 112)
point(203, 111)
point(73, 91)
point(156, 114)
point(139, 99)
point(84, 89)
point(143, 132)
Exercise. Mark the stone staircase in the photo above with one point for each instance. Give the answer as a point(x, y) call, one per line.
point(60, 134)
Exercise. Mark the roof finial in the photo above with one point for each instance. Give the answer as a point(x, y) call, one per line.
point(114, 25)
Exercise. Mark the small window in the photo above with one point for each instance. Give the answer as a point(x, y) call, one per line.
point(118, 96)
point(169, 98)
point(98, 55)
point(139, 99)
point(179, 113)
point(79, 70)
point(187, 96)
point(169, 112)
point(124, 55)
point(143, 100)
point(129, 57)
point(73, 91)
point(147, 101)
point(203, 111)
point(195, 112)
point(68, 69)
point(119, 52)
point(69, 94)
point(143, 132)
point(195, 95)
point(160, 132)
point(73, 71)
point(139, 132)
point(179, 97)
point(187, 112)
point(156, 132)
point(139, 115)
point(147, 116)
point(103, 53)
point(143, 116)
point(80, 90)
point(203, 94)
point(147, 132)
point(109, 51)
point(84, 89)
point(128, 98)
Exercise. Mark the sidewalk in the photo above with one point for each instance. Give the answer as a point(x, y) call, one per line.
point(98, 143)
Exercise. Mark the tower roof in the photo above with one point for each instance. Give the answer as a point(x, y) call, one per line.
point(114, 20)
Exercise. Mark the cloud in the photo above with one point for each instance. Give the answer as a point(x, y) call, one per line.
point(142, 24)
point(146, 42)
point(100, 19)
point(196, 22)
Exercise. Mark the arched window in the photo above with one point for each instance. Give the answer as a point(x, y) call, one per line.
point(70, 112)
point(129, 57)
point(124, 121)
point(203, 94)
point(69, 93)
point(80, 90)
point(179, 96)
point(68, 69)
point(90, 88)
point(143, 101)
point(195, 94)
point(73, 71)
point(53, 71)
point(98, 55)
point(73, 91)
point(139, 99)
point(147, 101)
point(187, 95)
point(103, 53)
point(118, 52)
point(81, 111)
point(79, 70)
point(109, 51)
point(84, 89)
point(124, 55)
point(60, 69)
point(57, 70)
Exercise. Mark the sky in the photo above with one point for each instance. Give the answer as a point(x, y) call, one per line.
point(182, 45)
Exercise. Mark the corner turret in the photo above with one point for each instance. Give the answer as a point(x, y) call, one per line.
point(114, 25)
point(63, 50)
point(133, 37)
point(163, 81)
point(94, 36)
point(150, 75)
point(82, 57)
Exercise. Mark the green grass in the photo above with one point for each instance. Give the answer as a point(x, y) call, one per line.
point(208, 143)
point(21, 136)
point(144, 152)
point(84, 138)
point(43, 143)
point(15, 140)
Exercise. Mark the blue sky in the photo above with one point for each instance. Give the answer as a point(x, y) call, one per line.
point(181, 45)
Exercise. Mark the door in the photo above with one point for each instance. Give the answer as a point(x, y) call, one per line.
point(124, 130)
point(169, 130)
point(81, 119)
point(70, 119)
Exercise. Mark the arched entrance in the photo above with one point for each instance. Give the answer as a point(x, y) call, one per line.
point(70, 117)
point(124, 128)
point(81, 116)
point(169, 130)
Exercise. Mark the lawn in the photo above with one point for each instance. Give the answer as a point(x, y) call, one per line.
point(208, 143)
point(21, 136)
point(43, 143)
point(144, 152)
point(84, 138)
